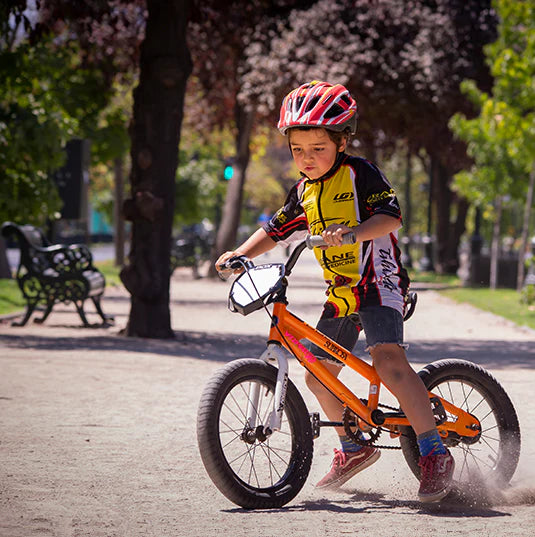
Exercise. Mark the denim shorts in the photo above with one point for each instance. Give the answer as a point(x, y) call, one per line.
point(381, 324)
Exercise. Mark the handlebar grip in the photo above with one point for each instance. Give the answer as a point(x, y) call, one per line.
point(313, 241)
point(236, 262)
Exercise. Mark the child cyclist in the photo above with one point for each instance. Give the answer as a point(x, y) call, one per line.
point(336, 194)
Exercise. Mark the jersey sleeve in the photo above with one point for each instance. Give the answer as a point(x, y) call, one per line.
point(289, 223)
point(378, 195)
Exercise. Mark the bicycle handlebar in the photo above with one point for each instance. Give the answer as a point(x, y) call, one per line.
point(313, 241)
point(237, 262)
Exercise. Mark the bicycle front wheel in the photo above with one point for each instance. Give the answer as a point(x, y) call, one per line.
point(253, 471)
point(493, 455)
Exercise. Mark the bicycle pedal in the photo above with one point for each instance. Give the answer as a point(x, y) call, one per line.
point(315, 424)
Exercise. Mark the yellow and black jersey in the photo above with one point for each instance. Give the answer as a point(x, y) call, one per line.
point(358, 275)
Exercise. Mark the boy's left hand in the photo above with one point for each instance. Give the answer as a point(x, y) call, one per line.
point(333, 234)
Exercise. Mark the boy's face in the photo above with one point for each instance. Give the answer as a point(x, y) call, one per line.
point(314, 153)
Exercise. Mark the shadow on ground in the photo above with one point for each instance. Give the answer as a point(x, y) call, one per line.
point(360, 502)
point(225, 347)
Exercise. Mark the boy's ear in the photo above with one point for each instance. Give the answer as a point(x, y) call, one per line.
point(343, 144)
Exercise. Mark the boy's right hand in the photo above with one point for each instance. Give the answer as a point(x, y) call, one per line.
point(225, 257)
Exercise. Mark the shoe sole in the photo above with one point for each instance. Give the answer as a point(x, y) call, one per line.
point(435, 497)
point(430, 498)
point(346, 477)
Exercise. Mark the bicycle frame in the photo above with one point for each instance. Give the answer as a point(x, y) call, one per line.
point(287, 331)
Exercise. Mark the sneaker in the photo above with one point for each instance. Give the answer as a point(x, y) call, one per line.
point(436, 476)
point(346, 465)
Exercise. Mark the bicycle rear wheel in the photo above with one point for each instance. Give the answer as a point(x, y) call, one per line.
point(492, 456)
point(251, 471)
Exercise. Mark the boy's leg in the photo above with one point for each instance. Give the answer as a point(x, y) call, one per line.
point(351, 458)
point(390, 361)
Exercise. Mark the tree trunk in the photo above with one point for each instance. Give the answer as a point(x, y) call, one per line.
point(443, 198)
point(230, 220)
point(5, 269)
point(448, 233)
point(456, 232)
point(165, 65)
point(118, 213)
point(495, 246)
point(525, 231)
point(407, 213)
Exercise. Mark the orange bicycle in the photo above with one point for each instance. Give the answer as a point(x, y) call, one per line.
point(255, 433)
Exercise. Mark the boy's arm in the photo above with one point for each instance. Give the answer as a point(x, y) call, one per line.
point(258, 243)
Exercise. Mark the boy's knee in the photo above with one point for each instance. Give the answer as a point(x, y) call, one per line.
point(390, 360)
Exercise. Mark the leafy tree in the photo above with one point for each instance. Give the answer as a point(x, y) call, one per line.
point(403, 61)
point(218, 44)
point(501, 140)
point(49, 93)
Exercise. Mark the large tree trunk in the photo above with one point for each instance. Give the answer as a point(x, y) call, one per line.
point(227, 232)
point(118, 211)
point(165, 65)
point(525, 230)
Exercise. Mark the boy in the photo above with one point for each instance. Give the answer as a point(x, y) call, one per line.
point(337, 194)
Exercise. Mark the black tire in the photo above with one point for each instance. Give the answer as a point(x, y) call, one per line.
point(260, 475)
point(493, 457)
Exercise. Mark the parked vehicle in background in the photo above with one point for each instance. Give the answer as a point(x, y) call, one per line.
point(191, 247)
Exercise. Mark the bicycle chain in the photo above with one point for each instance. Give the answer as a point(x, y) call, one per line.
point(349, 416)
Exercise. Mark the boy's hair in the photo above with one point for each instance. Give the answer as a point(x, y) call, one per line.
point(336, 137)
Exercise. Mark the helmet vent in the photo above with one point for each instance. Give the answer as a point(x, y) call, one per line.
point(334, 111)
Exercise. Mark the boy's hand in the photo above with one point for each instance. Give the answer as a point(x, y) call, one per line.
point(333, 234)
point(225, 257)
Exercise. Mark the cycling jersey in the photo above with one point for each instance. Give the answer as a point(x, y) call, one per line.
point(358, 275)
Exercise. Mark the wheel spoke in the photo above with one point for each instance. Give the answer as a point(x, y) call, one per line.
point(261, 464)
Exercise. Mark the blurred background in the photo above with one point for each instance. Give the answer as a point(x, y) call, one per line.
point(104, 101)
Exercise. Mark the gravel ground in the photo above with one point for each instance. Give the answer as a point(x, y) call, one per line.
point(98, 431)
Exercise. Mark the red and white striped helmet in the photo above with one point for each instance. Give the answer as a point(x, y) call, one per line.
point(319, 104)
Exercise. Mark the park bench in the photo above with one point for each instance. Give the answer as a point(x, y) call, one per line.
point(51, 273)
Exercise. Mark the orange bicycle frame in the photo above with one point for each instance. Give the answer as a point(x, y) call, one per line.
point(288, 331)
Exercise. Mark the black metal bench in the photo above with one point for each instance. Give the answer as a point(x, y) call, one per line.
point(55, 273)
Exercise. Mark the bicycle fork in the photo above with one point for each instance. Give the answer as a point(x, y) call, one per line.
point(274, 352)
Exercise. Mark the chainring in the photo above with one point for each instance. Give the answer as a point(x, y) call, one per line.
point(349, 419)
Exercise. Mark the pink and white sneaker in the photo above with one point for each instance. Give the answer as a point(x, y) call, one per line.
point(346, 465)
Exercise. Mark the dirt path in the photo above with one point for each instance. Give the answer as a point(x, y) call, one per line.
point(97, 431)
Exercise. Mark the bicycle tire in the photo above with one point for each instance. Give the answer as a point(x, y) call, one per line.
point(246, 473)
point(493, 457)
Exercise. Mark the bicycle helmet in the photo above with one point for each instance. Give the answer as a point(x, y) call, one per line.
point(319, 104)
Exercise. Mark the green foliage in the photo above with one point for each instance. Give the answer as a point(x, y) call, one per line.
point(501, 140)
point(199, 185)
point(527, 295)
point(46, 98)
